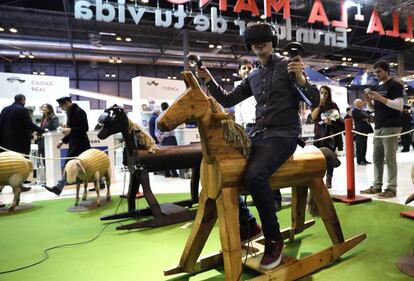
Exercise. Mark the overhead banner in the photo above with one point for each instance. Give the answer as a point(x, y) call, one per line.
point(38, 89)
point(335, 35)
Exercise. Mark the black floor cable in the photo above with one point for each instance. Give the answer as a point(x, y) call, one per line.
point(46, 254)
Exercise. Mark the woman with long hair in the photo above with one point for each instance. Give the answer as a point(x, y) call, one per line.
point(327, 122)
point(49, 122)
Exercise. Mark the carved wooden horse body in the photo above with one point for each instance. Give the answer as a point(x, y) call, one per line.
point(142, 156)
point(222, 172)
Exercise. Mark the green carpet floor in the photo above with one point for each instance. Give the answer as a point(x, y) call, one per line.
point(143, 254)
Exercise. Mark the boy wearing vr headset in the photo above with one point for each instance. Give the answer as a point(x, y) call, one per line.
point(274, 137)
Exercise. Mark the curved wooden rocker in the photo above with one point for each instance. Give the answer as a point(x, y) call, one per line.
point(142, 156)
point(222, 170)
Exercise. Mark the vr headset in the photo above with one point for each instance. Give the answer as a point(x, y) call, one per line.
point(259, 33)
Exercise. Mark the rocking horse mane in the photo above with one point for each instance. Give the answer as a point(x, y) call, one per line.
point(142, 137)
point(233, 133)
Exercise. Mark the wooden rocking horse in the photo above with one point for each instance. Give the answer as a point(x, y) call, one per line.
point(222, 170)
point(142, 156)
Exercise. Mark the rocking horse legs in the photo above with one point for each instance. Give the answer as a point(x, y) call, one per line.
point(299, 195)
point(203, 224)
point(228, 213)
point(327, 211)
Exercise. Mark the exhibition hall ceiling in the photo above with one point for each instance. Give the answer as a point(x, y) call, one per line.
point(72, 31)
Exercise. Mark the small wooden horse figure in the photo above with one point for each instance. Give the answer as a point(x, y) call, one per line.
point(142, 156)
point(222, 169)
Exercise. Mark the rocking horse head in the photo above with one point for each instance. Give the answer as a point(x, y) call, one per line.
point(113, 120)
point(216, 128)
point(191, 106)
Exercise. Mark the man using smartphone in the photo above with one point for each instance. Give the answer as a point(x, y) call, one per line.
point(387, 102)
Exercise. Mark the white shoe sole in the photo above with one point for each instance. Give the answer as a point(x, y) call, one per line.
point(272, 265)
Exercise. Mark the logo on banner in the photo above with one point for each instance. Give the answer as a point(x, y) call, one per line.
point(15, 79)
point(153, 82)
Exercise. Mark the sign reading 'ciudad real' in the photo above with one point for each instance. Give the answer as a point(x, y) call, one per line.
point(336, 37)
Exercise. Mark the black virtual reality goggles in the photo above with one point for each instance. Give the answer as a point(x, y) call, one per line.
point(259, 33)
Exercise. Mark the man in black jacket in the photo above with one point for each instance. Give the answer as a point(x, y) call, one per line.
point(360, 118)
point(274, 137)
point(16, 126)
point(75, 135)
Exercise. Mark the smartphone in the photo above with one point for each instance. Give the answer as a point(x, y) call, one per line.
point(367, 90)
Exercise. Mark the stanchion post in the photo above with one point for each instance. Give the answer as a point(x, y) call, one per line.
point(350, 197)
point(350, 168)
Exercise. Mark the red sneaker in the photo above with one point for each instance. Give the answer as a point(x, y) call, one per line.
point(272, 255)
point(253, 232)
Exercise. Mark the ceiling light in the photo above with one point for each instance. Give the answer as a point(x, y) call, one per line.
point(219, 46)
point(263, 17)
point(211, 46)
point(144, 1)
point(412, 40)
point(395, 64)
point(327, 68)
point(107, 33)
point(128, 39)
point(392, 64)
point(118, 60)
point(107, 74)
point(349, 59)
point(168, 77)
point(113, 75)
point(22, 56)
point(228, 79)
point(235, 74)
point(42, 73)
point(348, 75)
point(223, 79)
point(344, 58)
point(174, 77)
point(285, 53)
point(343, 64)
point(118, 38)
point(355, 65)
point(13, 30)
point(407, 39)
point(1, 29)
point(34, 72)
point(31, 56)
point(348, 29)
point(111, 60)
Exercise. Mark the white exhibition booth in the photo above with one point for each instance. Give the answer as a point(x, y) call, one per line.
point(148, 93)
point(41, 89)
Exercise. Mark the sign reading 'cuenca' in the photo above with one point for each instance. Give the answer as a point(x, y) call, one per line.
point(214, 22)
